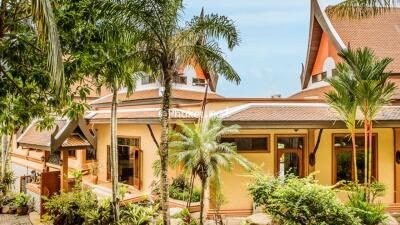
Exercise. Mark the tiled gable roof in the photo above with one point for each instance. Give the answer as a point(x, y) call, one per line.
point(381, 33)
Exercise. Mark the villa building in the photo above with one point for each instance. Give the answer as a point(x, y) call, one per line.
point(300, 134)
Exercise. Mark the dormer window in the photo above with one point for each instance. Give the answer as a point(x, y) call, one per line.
point(180, 80)
point(148, 80)
point(319, 77)
point(199, 82)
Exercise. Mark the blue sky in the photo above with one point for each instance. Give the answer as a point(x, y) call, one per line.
point(274, 43)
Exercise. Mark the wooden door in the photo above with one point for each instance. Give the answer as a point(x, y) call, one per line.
point(108, 163)
point(23, 181)
point(137, 168)
point(49, 185)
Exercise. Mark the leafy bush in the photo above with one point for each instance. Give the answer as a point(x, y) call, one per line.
point(102, 215)
point(179, 189)
point(21, 200)
point(138, 215)
point(70, 208)
point(291, 200)
point(186, 218)
point(369, 213)
point(6, 182)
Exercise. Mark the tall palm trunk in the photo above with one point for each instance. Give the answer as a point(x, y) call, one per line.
point(365, 151)
point(114, 156)
point(353, 140)
point(4, 154)
point(191, 186)
point(203, 193)
point(370, 160)
point(164, 144)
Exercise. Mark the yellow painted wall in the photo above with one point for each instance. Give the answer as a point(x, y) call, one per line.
point(234, 183)
point(385, 159)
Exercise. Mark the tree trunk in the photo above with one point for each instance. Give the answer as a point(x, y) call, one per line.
point(4, 142)
point(370, 161)
point(365, 152)
point(114, 156)
point(353, 140)
point(164, 144)
point(203, 191)
point(191, 185)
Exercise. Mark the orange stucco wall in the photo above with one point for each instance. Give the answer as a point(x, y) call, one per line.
point(326, 49)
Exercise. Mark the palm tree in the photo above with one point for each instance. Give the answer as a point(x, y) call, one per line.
point(342, 100)
point(42, 14)
point(115, 67)
point(372, 91)
point(167, 45)
point(362, 8)
point(198, 148)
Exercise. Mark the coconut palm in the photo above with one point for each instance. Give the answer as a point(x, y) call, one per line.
point(342, 100)
point(372, 91)
point(115, 66)
point(362, 8)
point(197, 148)
point(168, 44)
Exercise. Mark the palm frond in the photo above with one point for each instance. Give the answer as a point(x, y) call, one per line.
point(42, 13)
point(359, 9)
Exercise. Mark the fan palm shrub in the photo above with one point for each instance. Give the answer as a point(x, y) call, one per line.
point(198, 148)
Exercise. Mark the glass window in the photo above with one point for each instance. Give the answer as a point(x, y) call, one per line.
point(90, 153)
point(135, 142)
point(249, 143)
point(199, 82)
point(180, 80)
point(290, 143)
point(72, 153)
point(148, 80)
point(343, 150)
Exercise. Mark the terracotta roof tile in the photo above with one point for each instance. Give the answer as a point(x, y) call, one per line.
point(141, 114)
point(381, 33)
point(312, 93)
point(300, 112)
point(75, 140)
point(154, 93)
point(34, 136)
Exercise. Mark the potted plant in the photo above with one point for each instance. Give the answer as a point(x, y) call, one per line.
point(21, 203)
point(94, 167)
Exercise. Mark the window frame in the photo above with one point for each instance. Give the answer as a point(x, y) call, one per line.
point(375, 156)
point(267, 147)
point(277, 151)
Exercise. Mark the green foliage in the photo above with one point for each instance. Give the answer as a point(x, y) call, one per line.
point(77, 175)
point(369, 213)
point(102, 215)
point(138, 215)
point(291, 200)
point(6, 182)
point(179, 189)
point(186, 218)
point(70, 208)
point(21, 200)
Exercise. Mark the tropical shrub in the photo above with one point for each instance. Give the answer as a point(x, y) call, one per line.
point(6, 182)
point(21, 200)
point(179, 189)
point(291, 200)
point(69, 208)
point(186, 218)
point(138, 215)
point(102, 215)
point(369, 213)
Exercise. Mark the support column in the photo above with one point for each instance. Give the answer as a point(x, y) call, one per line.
point(396, 132)
point(310, 149)
point(64, 170)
